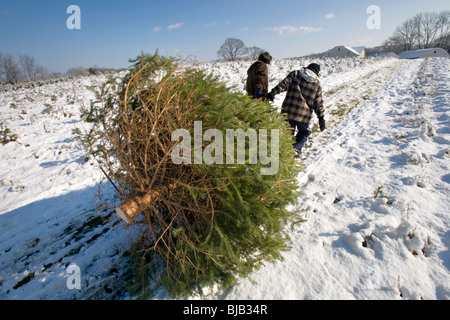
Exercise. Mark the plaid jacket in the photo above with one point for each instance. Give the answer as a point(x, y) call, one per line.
point(302, 98)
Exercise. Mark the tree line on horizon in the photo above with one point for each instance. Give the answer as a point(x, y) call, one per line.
point(25, 68)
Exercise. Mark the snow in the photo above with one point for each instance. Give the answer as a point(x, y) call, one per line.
point(374, 192)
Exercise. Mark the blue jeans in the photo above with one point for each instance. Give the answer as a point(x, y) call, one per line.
point(302, 135)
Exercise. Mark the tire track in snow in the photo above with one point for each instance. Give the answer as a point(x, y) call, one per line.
point(353, 96)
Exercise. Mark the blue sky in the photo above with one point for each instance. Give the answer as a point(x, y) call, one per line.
point(114, 31)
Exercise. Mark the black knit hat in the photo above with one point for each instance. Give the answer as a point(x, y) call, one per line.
point(265, 57)
point(315, 68)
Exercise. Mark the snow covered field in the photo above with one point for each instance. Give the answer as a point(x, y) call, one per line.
point(375, 191)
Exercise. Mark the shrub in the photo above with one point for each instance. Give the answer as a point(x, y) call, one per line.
point(6, 136)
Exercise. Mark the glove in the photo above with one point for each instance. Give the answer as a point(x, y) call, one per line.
point(258, 93)
point(270, 96)
point(322, 124)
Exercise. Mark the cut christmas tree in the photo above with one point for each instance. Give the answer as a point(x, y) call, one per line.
point(205, 174)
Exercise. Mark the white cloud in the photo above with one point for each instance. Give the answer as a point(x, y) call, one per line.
point(208, 25)
point(244, 29)
point(175, 26)
point(156, 29)
point(330, 16)
point(290, 30)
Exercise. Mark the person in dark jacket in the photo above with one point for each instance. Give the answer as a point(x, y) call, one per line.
point(304, 96)
point(258, 76)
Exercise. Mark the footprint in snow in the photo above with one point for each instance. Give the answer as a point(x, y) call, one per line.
point(16, 188)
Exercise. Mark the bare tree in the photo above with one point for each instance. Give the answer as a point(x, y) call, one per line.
point(41, 72)
point(232, 49)
point(393, 44)
point(11, 69)
point(54, 75)
point(443, 41)
point(406, 36)
point(77, 72)
point(409, 33)
point(28, 66)
point(429, 28)
point(254, 52)
point(425, 30)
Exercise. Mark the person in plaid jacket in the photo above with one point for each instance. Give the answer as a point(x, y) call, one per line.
point(304, 96)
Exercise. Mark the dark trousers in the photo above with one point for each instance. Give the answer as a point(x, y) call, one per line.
point(302, 135)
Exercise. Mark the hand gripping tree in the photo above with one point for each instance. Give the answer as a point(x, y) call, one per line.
point(205, 207)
